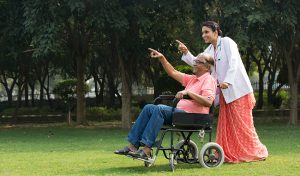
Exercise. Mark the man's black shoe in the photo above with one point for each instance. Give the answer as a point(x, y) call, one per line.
point(139, 154)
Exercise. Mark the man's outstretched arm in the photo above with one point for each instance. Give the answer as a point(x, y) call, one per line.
point(177, 75)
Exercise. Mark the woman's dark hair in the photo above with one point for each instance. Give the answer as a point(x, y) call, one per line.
point(213, 26)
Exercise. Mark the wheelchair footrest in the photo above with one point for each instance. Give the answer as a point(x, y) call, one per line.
point(150, 160)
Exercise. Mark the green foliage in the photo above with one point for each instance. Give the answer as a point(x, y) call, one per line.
point(135, 111)
point(285, 97)
point(109, 114)
point(184, 69)
point(283, 75)
point(167, 84)
point(281, 100)
point(66, 89)
point(103, 33)
point(103, 113)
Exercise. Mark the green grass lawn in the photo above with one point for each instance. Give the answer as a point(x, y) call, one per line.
point(63, 150)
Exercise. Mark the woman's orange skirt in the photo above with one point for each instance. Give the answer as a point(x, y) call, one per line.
point(236, 132)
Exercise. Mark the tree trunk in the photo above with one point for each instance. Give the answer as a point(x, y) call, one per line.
point(9, 89)
point(126, 84)
point(272, 69)
point(248, 64)
point(20, 93)
point(260, 100)
point(271, 81)
point(96, 91)
point(9, 95)
point(126, 98)
point(48, 91)
point(293, 77)
point(9, 98)
point(31, 86)
point(81, 116)
point(101, 91)
point(111, 90)
point(26, 90)
point(294, 103)
point(41, 93)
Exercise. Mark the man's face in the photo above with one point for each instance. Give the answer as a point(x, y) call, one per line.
point(199, 65)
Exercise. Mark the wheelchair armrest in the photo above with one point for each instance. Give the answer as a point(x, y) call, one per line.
point(166, 97)
point(158, 99)
point(169, 97)
point(187, 97)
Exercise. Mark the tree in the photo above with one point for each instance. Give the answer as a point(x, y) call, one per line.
point(287, 40)
point(64, 25)
point(66, 89)
point(277, 72)
point(12, 44)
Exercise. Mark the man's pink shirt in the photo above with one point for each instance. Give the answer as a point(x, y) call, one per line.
point(204, 85)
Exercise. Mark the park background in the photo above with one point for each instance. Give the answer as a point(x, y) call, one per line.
point(75, 65)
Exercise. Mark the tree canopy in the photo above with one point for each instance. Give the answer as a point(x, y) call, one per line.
point(108, 40)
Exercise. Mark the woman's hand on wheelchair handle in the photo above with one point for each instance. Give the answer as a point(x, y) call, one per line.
point(224, 85)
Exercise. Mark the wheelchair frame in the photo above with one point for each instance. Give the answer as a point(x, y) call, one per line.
point(186, 151)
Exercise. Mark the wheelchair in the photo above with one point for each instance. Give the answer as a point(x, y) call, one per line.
point(186, 151)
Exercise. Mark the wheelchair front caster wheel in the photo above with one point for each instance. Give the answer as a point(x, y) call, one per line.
point(147, 164)
point(211, 155)
point(171, 162)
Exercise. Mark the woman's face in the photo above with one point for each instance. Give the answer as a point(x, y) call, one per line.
point(208, 35)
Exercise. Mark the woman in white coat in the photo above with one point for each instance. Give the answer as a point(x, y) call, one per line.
point(235, 132)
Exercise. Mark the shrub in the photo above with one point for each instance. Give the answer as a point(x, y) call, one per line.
point(103, 114)
point(135, 111)
point(285, 96)
point(66, 89)
point(167, 84)
point(27, 111)
point(277, 102)
point(107, 114)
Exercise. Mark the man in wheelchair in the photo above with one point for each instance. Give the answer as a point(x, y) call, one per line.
point(200, 87)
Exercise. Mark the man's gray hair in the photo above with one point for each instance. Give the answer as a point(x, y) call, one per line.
point(209, 61)
point(207, 57)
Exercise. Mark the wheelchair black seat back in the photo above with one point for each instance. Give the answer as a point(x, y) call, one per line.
point(192, 120)
point(188, 120)
point(186, 151)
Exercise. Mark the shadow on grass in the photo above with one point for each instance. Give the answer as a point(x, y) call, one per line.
point(137, 170)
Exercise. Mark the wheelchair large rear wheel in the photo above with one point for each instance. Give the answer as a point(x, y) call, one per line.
point(211, 155)
point(188, 152)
